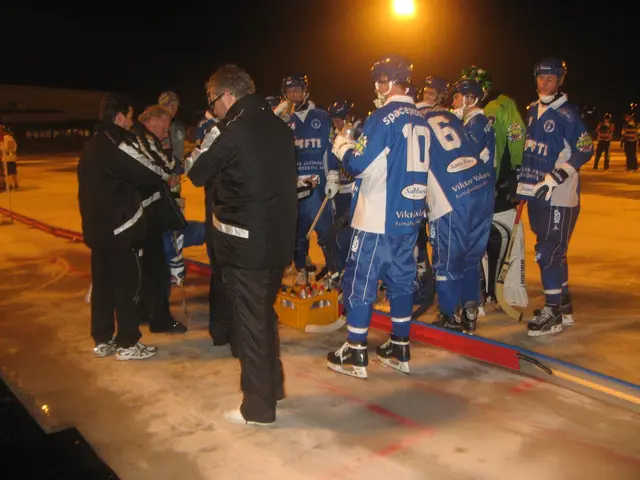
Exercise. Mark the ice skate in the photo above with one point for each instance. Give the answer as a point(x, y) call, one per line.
point(546, 321)
point(351, 359)
point(470, 315)
point(566, 308)
point(395, 353)
point(451, 323)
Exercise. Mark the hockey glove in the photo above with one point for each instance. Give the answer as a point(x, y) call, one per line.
point(284, 110)
point(340, 146)
point(333, 184)
point(304, 189)
point(544, 189)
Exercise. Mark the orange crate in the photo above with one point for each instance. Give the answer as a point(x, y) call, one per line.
point(299, 313)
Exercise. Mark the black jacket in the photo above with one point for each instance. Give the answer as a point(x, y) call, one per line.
point(248, 166)
point(112, 173)
point(163, 213)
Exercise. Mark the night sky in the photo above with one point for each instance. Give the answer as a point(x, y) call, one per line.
point(143, 50)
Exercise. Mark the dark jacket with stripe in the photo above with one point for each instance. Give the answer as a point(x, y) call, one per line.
point(116, 181)
point(248, 166)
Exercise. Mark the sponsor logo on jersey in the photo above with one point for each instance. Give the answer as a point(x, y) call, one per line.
point(389, 119)
point(584, 143)
point(415, 192)
point(566, 114)
point(515, 132)
point(420, 213)
point(549, 126)
point(361, 144)
point(525, 189)
point(315, 123)
point(308, 143)
point(461, 164)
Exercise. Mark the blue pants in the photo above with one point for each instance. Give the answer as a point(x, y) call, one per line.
point(342, 232)
point(553, 227)
point(459, 240)
point(374, 257)
point(307, 210)
point(193, 236)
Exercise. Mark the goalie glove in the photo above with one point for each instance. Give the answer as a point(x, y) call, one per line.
point(544, 189)
point(340, 146)
point(333, 184)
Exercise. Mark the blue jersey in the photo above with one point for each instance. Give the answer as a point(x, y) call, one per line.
point(456, 175)
point(482, 136)
point(390, 167)
point(311, 129)
point(556, 137)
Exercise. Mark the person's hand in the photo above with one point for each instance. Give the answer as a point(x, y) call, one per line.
point(544, 189)
point(340, 146)
point(333, 184)
point(174, 180)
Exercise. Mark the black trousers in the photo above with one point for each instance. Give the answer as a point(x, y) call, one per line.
point(220, 311)
point(116, 281)
point(603, 146)
point(154, 296)
point(630, 152)
point(251, 294)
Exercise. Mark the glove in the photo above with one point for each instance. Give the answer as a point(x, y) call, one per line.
point(544, 189)
point(333, 184)
point(304, 189)
point(340, 146)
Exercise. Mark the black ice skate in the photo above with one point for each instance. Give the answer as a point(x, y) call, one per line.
point(350, 359)
point(395, 353)
point(545, 321)
point(445, 321)
point(470, 318)
point(566, 308)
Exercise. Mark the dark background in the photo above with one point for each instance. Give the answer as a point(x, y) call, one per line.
point(144, 49)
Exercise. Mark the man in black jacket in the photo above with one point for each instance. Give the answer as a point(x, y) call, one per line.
point(152, 127)
point(112, 171)
point(247, 163)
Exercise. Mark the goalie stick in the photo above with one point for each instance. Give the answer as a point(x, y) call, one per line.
point(504, 269)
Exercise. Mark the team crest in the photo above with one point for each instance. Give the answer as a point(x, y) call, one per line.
point(515, 132)
point(549, 126)
point(315, 123)
point(355, 245)
point(584, 143)
point(360, 146)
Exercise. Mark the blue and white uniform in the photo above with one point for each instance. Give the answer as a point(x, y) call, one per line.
point(460, 197)
point(482, 136)
point(311, 128)
point(389, 163)
point(557, 143)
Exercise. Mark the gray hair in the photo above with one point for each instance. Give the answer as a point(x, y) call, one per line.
point(233, 78)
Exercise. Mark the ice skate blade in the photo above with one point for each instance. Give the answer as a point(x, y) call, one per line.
point(567, 320)
point(540, 333)
point(358, 372)
point(402, 367)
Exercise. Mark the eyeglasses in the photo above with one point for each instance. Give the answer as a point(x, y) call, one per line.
point(213, 102)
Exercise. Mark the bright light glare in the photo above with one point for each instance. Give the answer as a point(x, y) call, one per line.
point(404, 8)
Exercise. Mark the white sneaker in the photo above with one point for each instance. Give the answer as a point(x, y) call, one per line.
point(235, 416)
point(137, 352)
point(105, 349)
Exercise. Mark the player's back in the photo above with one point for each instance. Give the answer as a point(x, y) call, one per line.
point(456, 174)
point(391, 187)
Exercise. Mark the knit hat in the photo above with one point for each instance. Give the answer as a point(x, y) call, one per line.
point(168, 98)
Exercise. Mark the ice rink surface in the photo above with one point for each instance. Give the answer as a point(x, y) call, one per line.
point(452, 418)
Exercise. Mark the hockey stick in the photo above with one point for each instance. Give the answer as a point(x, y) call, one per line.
point(315, 220)
point(504, 269)
point(184, 296)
